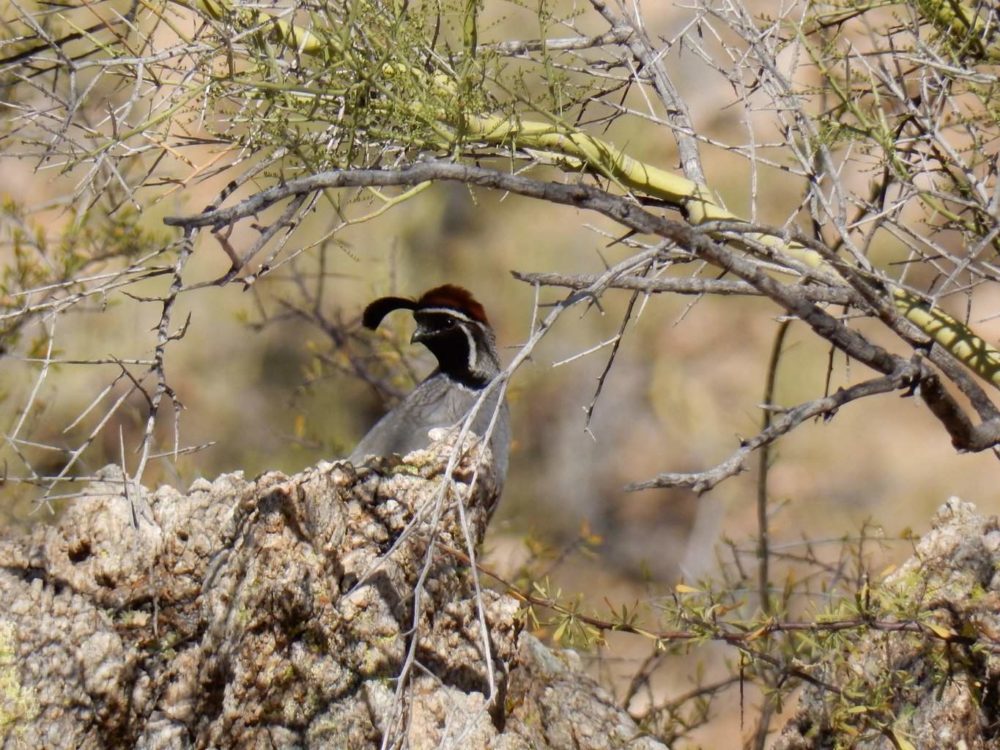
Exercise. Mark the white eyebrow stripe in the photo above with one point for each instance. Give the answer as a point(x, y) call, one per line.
point(446, 311)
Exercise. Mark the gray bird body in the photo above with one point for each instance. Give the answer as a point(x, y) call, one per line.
point(454, 327)
point(437, 402)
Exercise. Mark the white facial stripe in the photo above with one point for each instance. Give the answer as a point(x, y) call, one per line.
point(473, 350)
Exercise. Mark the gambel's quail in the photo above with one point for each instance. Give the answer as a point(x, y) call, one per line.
point(454, 327)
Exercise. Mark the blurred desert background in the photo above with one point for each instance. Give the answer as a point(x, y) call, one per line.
point(686, 385)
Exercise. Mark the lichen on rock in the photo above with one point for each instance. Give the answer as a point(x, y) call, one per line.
point(272, 612)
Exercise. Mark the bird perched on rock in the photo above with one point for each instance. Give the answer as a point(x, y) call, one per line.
point(453, 325)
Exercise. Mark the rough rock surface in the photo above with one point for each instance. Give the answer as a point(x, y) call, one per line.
point(936, 689)
point(279, 612)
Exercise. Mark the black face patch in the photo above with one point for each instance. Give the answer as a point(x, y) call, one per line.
point(456, 341)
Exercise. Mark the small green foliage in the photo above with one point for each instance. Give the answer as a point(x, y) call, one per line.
point(862, 105)
point(48, 261)
point(871, 650)
point(356, 81)
point(372, 82)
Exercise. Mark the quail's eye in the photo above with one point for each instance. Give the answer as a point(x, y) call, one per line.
point(443, 323)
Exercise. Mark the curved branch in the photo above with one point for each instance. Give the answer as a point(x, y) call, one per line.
point(633, 216)
point(702, 481)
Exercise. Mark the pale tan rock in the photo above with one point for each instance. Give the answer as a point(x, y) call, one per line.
point(277, 612)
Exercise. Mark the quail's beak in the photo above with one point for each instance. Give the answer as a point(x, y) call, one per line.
point(419, 336)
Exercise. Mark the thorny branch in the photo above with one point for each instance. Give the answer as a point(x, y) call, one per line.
point(742, 637)
point(784, 423)
point(686, 285)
